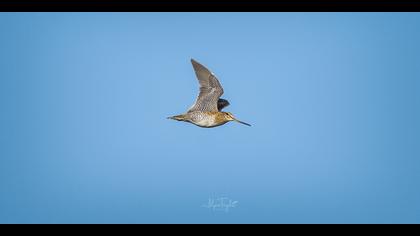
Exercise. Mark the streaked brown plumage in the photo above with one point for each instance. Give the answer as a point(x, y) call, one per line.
point(207, 109)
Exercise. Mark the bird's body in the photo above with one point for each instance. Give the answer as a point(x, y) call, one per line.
point(206, 111)
point(203, 119)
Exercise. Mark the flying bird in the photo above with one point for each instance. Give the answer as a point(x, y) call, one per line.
point(207, 109)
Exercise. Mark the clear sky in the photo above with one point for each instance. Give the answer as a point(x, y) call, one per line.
point(333, 99)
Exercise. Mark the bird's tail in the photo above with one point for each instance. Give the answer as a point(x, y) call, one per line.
point(178, 117)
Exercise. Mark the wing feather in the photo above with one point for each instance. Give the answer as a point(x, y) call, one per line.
point(210, 89)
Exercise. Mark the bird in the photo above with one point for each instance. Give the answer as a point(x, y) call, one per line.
point(207, 112)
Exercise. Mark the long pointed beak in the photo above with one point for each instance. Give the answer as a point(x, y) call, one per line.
point(242, 122)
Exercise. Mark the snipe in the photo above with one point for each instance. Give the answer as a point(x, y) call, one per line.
point(207, 109)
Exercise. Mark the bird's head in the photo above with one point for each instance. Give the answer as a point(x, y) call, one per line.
point(229, 116)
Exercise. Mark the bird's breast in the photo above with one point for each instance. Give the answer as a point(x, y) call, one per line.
point(205, 121)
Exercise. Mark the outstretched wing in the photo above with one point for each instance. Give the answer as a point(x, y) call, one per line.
point(210, 89)
point(222, 103)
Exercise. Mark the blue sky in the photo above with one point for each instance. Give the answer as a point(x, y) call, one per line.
point(333, 99)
